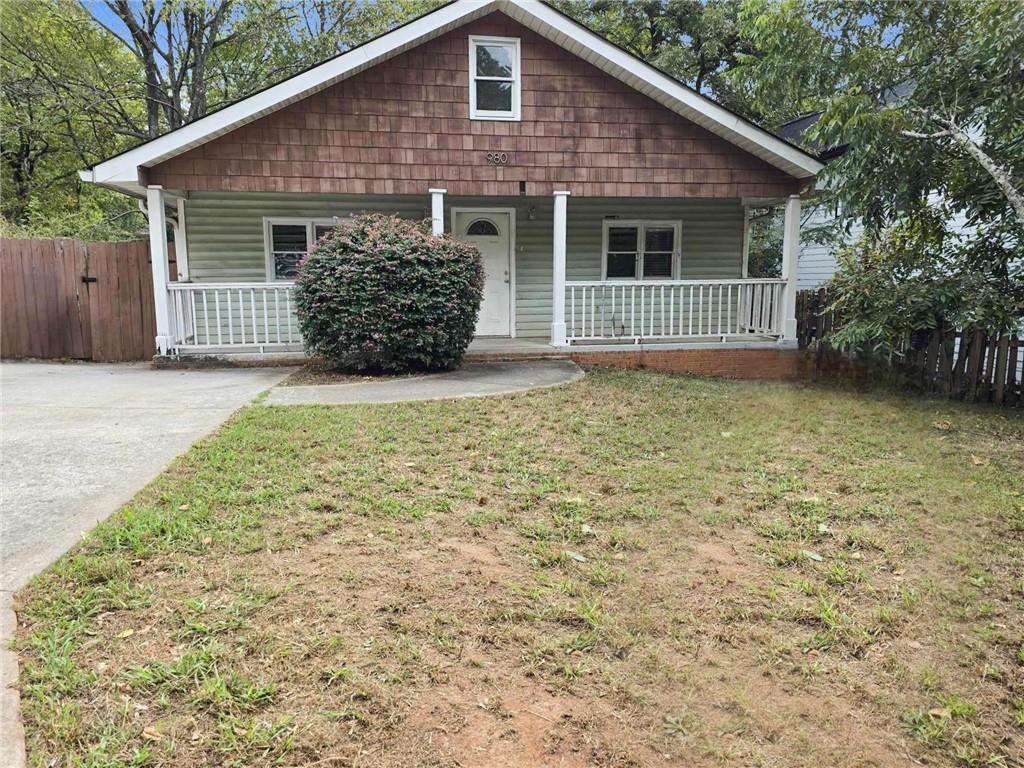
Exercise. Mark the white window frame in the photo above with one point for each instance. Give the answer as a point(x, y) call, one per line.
point(517, 79)
point(641, 227)
point(268, 240)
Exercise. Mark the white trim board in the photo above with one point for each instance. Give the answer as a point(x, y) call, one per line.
point(122, 171)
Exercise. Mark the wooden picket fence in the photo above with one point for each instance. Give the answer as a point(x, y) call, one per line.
point(971, 365)
point(69, 299)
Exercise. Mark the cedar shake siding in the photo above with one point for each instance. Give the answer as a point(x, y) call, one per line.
point(403, 126)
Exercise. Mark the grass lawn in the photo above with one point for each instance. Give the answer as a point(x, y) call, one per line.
point(636, 569)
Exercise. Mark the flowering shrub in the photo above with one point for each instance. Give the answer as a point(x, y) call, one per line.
point(384, 294)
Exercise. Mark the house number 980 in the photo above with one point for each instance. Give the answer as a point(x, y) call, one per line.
point(497, 158)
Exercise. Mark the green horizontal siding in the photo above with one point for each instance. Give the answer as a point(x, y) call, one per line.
point(225, 236)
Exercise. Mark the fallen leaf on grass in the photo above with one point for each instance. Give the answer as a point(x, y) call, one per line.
point(125, 633)
point(152, 734)
point(811, 555)
point(576, 556)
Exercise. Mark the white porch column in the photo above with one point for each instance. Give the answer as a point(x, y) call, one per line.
point(790, 254)
point(181, 242)
point(558, 338)
point(158, 255)
point(437, 210)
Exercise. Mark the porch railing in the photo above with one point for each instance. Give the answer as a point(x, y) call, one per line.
point(233, 315)
point(667, 309)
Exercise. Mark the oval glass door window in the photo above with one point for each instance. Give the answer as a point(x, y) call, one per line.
point(482, 227)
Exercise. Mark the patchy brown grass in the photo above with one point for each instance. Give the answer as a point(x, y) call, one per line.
point(632, 570)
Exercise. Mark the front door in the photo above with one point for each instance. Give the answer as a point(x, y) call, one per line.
point(490, 232)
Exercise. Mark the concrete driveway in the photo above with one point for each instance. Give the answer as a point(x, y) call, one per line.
point(78, 440)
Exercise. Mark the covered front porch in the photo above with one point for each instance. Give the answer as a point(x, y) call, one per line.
point(562, 273)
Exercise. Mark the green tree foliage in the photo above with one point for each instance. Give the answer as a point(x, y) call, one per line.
point(764, 248)
point(66, 99)
point(910, 278)
point(79, 85)
point(927, 97)
point(695, 41)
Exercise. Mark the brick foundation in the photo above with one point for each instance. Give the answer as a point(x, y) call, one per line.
point(775, 364)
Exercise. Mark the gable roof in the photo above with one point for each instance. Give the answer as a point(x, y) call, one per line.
point(121, 171)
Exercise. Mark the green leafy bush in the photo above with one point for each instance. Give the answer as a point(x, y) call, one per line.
point(917, 275)
point(383, 294)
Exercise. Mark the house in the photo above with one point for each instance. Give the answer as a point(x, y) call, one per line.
point(607, 199)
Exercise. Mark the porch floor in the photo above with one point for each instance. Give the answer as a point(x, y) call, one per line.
point(495, 348)
point(503, 349)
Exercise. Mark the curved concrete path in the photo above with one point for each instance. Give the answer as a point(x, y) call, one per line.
point(472, 380)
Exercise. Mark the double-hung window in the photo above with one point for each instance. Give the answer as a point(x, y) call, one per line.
point(494, 78)
point(288, 241)
point(640, 250)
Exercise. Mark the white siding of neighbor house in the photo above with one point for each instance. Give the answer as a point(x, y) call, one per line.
point(817, 262)
point(225, 236)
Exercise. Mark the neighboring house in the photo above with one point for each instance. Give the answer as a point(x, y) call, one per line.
point(818, 261)
point(607, 199)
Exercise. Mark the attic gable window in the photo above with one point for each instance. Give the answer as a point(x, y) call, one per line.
point(494, 78)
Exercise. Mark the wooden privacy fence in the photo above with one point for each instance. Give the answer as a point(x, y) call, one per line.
point(66, 298)
point(963, 365)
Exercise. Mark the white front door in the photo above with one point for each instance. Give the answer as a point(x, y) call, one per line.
point(490, 232)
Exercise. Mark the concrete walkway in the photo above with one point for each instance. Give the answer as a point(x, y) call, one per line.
point(472, 380)
point(78, 441)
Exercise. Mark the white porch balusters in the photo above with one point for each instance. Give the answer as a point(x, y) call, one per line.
point(437, 210)
point(558, 338)
point(158, 256)
point(790, 253)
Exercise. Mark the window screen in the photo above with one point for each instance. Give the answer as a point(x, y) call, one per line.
point(659, 245)
point(289, 246)
point(622, 252)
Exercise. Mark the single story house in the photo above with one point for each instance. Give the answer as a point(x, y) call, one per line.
point(607, 199)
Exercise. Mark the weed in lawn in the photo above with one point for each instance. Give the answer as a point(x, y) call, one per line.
point(353, 583)
point(338, 675)
point(243, 740)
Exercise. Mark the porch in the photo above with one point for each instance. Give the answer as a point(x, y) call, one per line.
point(562, 275)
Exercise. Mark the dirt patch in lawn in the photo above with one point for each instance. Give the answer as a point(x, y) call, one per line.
point(634, 570)
point(319, 372)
